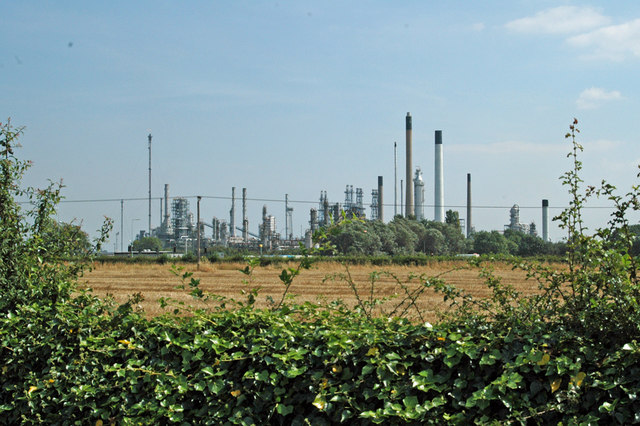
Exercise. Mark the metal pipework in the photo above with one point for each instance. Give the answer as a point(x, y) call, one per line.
point(245, 221)
point(166, 208)
point(418, 190)
point(232, 212)
point(380, 198)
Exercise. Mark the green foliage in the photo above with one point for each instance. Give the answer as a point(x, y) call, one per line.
point(147, 243)
point(452, 218)
point(569, 354)
point(30, 266)
point(63, 240)
point(493, 242)
point(402, 236)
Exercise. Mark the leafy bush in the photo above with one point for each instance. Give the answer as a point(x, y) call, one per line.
point(569, 354)
point(147, 243)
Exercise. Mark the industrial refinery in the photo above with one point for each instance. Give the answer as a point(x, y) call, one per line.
point(180, 231)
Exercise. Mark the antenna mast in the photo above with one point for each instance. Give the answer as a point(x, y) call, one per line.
point(149, 184)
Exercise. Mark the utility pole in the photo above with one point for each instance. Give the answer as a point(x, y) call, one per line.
point(199, 198)
point(149, 184)
point(121, 224)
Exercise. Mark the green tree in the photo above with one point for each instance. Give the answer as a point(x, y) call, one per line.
point(405, 238)
point(531, 245)
point(385, 234)
point(31, 242)
point(452, 218)
point(147, 243)
point(493, 242)
point(432, 242)
point(354, 238)
point(63, 240)
point(526, 244)
point(453, 238)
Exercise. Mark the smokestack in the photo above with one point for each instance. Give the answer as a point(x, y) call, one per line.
point(380, 209)
point(545, 220)
point(232, 213)
point(408, 181)
point(325, 209)
point(166, 207)
point(395, 179)
point(313, 222)
point(439, 178)
point(245, 221)
point(469, 205)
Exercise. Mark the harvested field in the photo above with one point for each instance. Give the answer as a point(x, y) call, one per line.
point(324, 280)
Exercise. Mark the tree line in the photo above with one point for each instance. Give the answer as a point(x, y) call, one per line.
point(409, 236)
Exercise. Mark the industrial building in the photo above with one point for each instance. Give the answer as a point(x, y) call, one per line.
point(179, 231)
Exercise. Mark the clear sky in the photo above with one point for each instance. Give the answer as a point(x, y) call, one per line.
point(298, 97)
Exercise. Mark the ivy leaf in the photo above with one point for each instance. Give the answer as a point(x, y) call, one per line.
point(578, 379)
point(544, 360)
point(283, 409)
point(373, 351)
point(410, 402)
point(320, 403)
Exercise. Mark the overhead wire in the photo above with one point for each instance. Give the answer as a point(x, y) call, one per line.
point(292, 201)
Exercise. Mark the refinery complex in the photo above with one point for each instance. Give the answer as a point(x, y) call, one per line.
point(180, 230)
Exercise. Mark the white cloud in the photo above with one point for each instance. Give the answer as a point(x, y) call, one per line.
point(478, 26)
point(612, 42)
point(594, 97)
point(559, 20)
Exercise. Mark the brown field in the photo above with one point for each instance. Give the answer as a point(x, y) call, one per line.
point(156, 281)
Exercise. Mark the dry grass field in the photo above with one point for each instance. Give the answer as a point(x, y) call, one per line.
point(322, 281)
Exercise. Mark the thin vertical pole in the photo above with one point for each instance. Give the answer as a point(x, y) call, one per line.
point(121, 225)
point(149, 184)
point(199, 198)
point(401, 200)
point(286, 216)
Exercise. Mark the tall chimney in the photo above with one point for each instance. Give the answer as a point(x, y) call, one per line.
point(166, 207)
point(469, 226)
point(439, 178)
point(245, 221)
point(380, 198)
point(395, 179)
point(545, 220)
point(408, 181)
point(313, 222)
point(232, 213)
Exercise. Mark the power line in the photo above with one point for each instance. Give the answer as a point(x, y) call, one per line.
point(315, 202)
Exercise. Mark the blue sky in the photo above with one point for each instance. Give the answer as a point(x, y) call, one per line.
point(298, 97)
